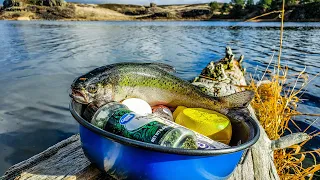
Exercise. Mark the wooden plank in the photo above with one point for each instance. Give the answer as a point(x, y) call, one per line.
point(64, 160)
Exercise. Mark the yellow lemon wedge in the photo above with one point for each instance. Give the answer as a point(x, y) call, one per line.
point(207, 122)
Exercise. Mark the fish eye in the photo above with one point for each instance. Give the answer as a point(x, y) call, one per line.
point(92, 89)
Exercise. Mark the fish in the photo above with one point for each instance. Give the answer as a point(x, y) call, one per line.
point(154, 83)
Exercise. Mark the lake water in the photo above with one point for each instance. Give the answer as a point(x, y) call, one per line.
point(40, 59)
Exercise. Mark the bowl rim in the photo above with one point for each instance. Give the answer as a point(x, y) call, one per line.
point(148, 146)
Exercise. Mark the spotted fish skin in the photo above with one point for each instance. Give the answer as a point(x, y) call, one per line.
point(152, 83)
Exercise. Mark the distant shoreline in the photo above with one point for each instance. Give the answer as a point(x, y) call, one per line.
point(62, 11)
point(163, 20)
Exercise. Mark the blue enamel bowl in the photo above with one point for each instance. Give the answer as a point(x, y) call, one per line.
point(125, 158)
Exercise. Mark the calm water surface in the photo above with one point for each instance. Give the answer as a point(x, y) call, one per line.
point(39, 60)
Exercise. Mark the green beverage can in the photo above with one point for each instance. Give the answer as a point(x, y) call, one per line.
point(116, 118)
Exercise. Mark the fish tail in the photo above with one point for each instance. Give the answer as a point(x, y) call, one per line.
point(237, 100)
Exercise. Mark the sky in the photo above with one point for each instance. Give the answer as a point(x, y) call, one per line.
point(142, 2)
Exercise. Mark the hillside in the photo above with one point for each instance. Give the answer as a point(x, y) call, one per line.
point(64, 11)
point(60, 10)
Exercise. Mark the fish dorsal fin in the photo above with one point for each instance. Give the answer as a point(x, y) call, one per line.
point(238, 100)
point(165, 67)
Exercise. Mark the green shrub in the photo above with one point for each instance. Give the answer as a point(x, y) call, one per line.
point(225, 8)
point(214, 5)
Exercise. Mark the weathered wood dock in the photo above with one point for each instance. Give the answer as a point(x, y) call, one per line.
point(67, 161)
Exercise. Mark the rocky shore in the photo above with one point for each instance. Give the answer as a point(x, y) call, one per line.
point(61, 10)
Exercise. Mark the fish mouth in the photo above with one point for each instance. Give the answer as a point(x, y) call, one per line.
point(79, 97)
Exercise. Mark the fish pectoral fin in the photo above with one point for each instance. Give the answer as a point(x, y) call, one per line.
point(165, 67)
point(238, 100)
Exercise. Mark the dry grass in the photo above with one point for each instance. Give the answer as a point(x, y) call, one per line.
point(276, 105)
point(186, 7)
point(125, 8)
point(94, 12)
point(24, 15)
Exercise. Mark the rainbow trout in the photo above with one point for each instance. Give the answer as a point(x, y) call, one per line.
point(153, 83)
